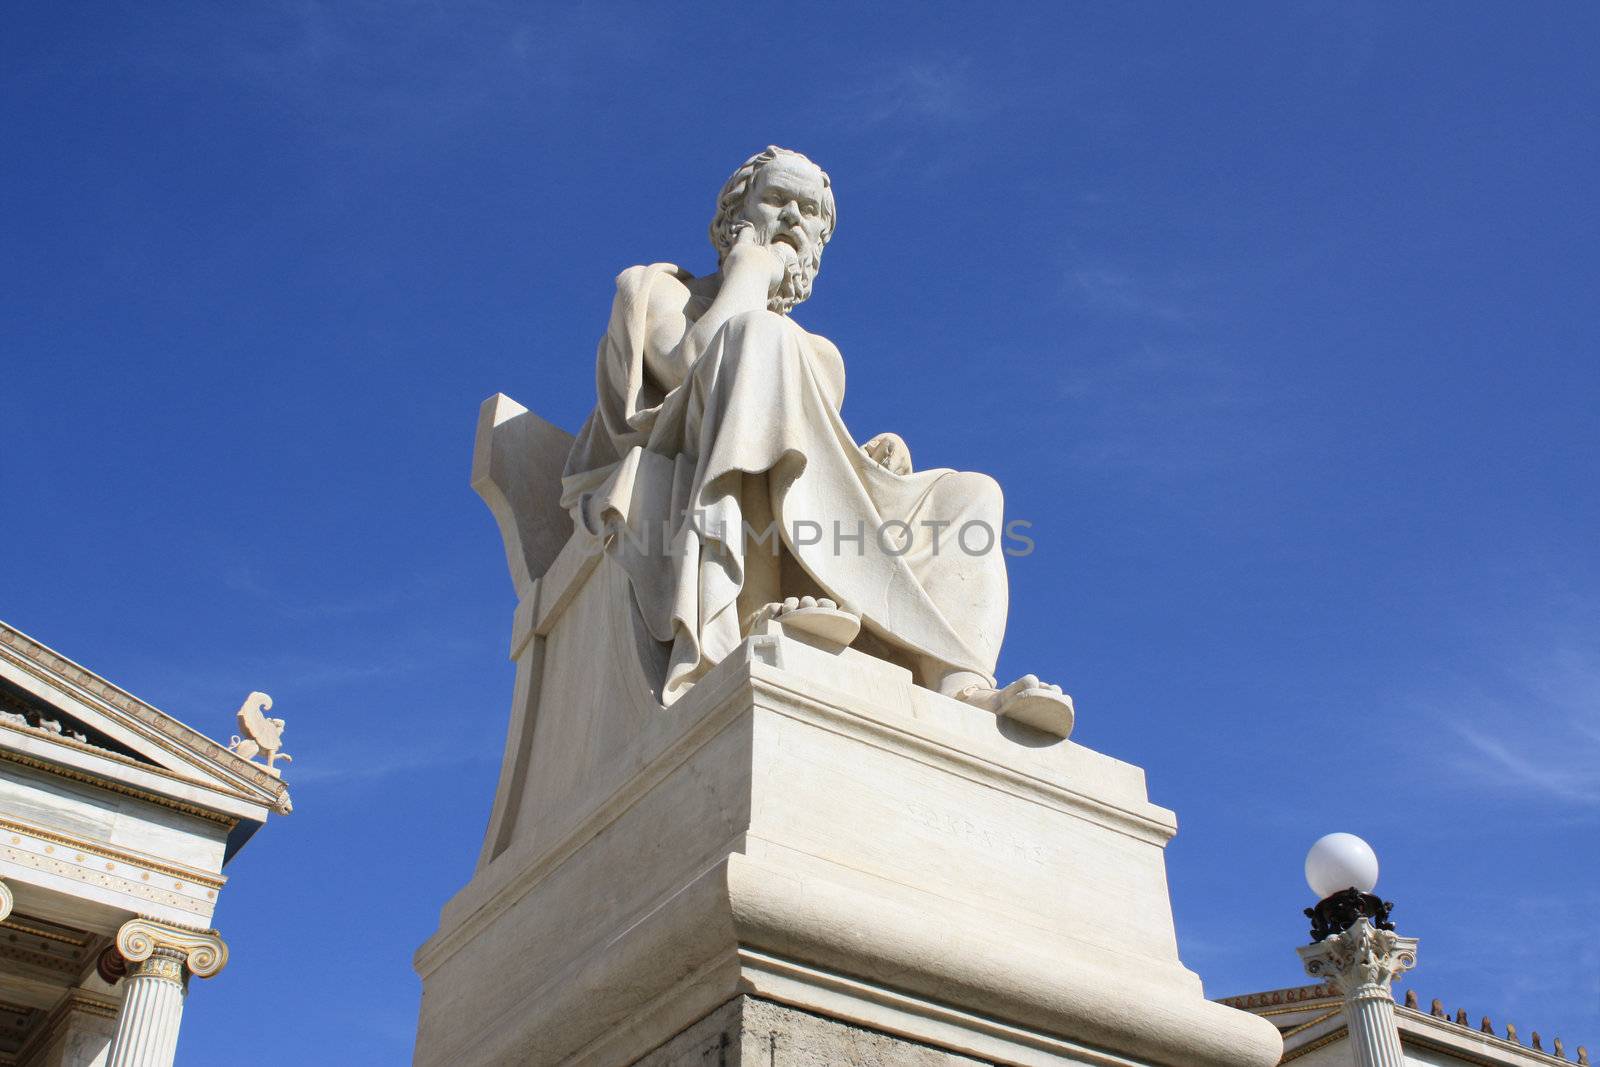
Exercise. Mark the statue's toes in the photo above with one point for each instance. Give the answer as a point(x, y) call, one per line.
point(1044, 708)
point(820, 623)
point(1023, 684)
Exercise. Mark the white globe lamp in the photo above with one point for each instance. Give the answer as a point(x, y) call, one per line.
point(1338, 862)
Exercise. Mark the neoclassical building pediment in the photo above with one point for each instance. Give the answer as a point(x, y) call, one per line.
point(62, 719)
point(116, 821)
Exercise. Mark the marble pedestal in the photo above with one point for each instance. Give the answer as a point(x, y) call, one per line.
point(812, 830)
point(750, 1032)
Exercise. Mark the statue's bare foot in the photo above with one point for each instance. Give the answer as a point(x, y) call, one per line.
point(817, 619)
point(1026, 700)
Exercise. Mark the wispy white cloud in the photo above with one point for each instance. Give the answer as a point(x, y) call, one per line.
point(390, 596)
point(1150, 377)
point(1103, 288)
point(1555, 774)
point(1165, 407)
point(913, 92)
point(364, 71)
point(1530, 729)
point(365, 768)
point(338, 692)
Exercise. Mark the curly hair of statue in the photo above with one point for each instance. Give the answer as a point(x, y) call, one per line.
point(731, 198)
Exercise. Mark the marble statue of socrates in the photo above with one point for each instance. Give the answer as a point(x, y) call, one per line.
point(718, 434)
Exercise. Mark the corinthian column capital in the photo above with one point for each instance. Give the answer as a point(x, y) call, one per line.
point(1362, 960)
point(162, 950)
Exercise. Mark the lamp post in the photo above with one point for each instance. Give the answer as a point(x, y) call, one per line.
point(1354, 947)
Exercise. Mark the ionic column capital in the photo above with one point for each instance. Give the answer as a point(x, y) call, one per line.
point(1360, 961)
point(7, 901)
point(161, 950)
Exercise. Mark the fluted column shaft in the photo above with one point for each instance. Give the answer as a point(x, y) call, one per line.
point(152, 1009)
point(1361, 963)
point(1373, 1034)
point(160, 958)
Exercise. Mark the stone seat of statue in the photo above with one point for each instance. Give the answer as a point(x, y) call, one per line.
point(517, 461)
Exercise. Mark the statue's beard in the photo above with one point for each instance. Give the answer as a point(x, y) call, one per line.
point(799, 271)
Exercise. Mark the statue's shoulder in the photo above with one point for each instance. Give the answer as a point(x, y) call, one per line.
point(649, 275)
point(824, 346)
point(661, 287)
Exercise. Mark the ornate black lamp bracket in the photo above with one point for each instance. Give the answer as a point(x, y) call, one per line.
point(1336, 914)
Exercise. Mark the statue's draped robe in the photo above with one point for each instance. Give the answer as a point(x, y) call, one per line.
point(665, 471)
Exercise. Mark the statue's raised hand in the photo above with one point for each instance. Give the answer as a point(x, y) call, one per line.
point(750, 254)
point(889, 451)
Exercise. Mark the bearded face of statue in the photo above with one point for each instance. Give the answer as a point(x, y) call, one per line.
point(784, 205)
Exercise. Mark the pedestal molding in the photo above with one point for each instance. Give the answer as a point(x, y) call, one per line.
point(745, 928)
point(842, 718)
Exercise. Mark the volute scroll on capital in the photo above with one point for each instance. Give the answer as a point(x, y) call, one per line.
point(7, 901)
point(1361, 958)
point(202, 951)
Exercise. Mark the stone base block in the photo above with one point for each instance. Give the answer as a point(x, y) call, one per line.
point(750, 1032)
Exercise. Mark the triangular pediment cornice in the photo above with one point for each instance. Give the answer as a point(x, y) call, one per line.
point(173, 750)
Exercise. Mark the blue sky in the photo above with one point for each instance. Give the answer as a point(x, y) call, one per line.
point(1277, 320)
